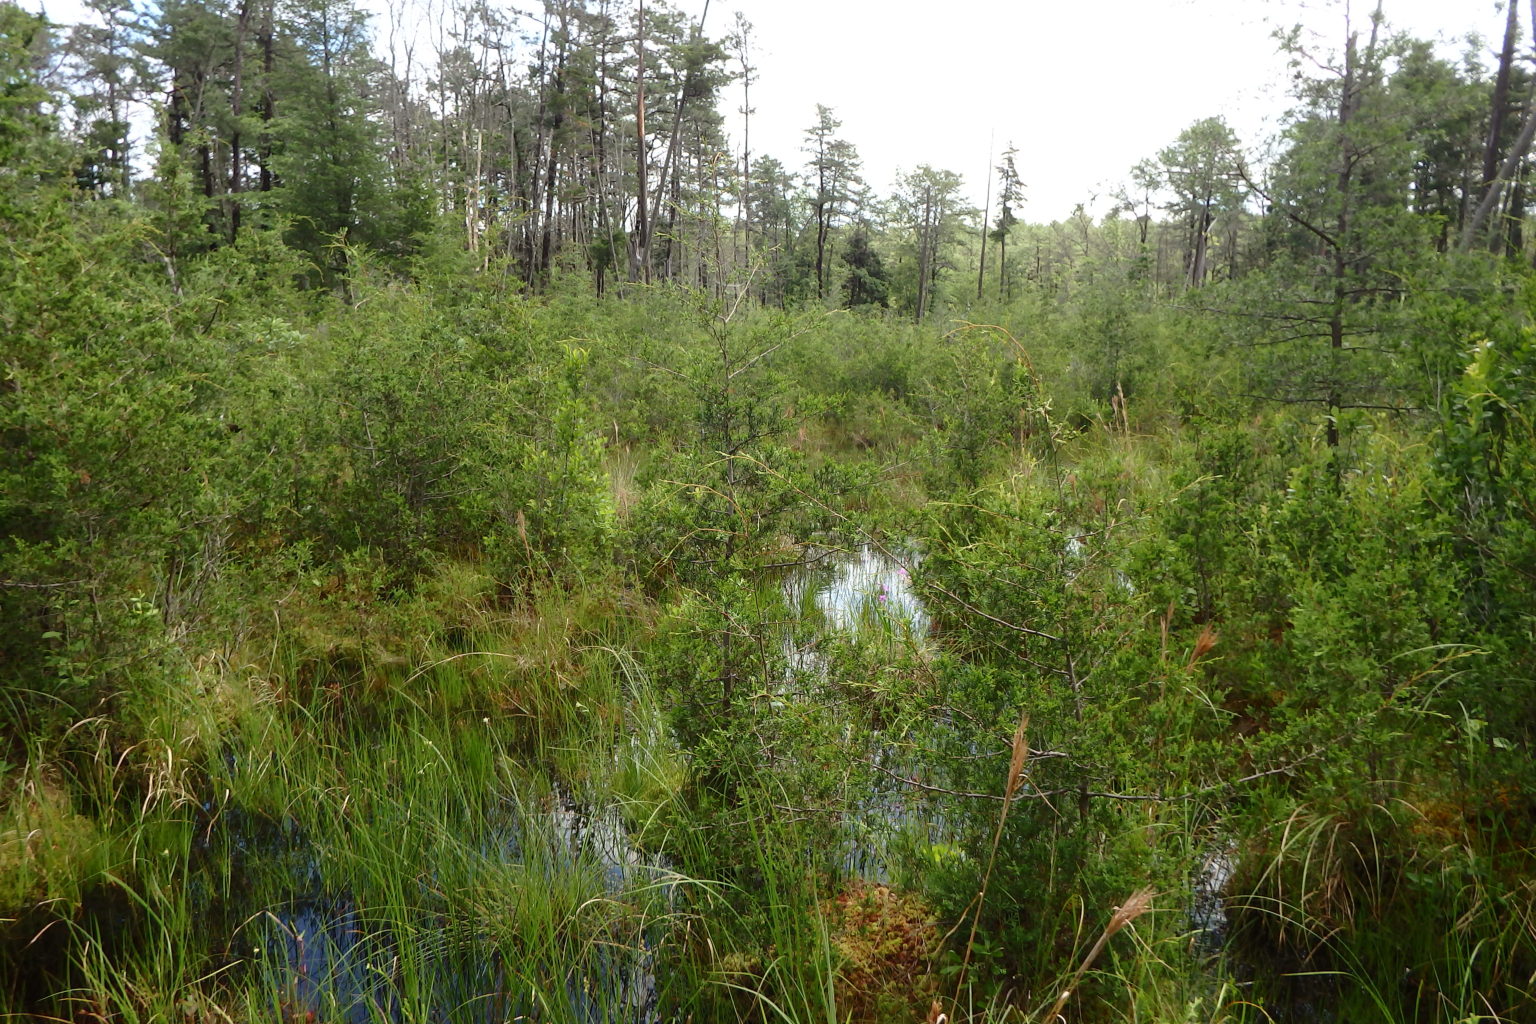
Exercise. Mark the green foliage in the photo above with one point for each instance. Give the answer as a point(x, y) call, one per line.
point(25, 126)
point(867, 283)
point(325, 145)
point(1487, 457)
point(339, 568)
point(551, 511)
point(976, 396)
point(113, 501)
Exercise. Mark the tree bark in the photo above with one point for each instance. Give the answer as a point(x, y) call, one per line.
point(268, 101)
point(1500, 97)
point(237, 110)
point(671, 168)
point(986, 212)
point(1506, 171)
point(641, 261)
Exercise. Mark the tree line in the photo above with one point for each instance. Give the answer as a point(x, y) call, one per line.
point(587, 135)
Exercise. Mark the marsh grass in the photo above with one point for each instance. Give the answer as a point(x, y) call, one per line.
point(503, 824)
point(339, 833)
point(1356, 912)
point(49, 851)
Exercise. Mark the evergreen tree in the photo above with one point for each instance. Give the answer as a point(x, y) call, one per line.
point(26, 125)
point(1341, 237)
point(109, 72)
point(927, 210)
point(835, 184)
point(1010, 196)
point(867, 283)
point(326, 151)
point(1199, 171)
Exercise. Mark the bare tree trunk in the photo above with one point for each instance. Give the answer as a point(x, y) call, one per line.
point(672, 166)
point(1506, 173)
point(472, 198)
point(237, 110)
point(604, 217)
point(536, 192)
point(1348, 96)
point(641, 261)
point(551, 179)
point(1514, 217)
point(745, 196)
point(986, 213)
point(1002, 266)
point(924, 254)
point(1500, 97)
point(1200, 245)
point(1493, 182)
point(268, 101)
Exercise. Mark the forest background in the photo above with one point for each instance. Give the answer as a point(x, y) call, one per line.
point(408, 469)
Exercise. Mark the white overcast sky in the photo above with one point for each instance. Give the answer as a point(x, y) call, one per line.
point(1083, 89)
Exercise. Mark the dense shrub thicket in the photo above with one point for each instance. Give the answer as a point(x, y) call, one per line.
point(338, 574)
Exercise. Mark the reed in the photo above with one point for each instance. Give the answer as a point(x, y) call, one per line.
point(1139, 903)
point(1018, 759)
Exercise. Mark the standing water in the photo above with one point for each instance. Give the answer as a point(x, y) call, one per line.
point(861, 597)
point(854, 593)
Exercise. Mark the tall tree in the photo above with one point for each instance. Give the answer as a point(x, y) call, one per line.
point(771, 206)
point(1010, 195)
point(109, 73)
point(1342, 237)
point(927, 207)
point(25, 120)
point(1200, 173)
point(1489, 181)
point(986, 216)
point(1497, 173)
point(867, 283)
point(327, 151)
point(835, 183)
point(640, 260)
point(741, 46)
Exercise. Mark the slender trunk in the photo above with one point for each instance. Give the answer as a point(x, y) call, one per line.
point(673, 176)
point(640, 267)
point(605, 220)
point(1500, 97)
point(746, 159)
point(472, 199)
point(1340, 240)
point(986, 213)
point(1505, 172)
point(924, 255)
point(122, 161)
point(714, 185)
point(551, 172)
point(268, 101)
point(821, 214)
point(1514, 217)
point(1201, 242)
point(237, 110)
point(672, 166)
point(1002, 266)
point(204, 150)
point(536, 193)
point(176, 112)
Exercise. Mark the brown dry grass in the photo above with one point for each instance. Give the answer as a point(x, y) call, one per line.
point(1139, 903)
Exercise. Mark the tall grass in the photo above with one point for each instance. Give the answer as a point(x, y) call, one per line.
point(364, 839)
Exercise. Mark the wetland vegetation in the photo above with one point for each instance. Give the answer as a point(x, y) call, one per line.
point(414, 616)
